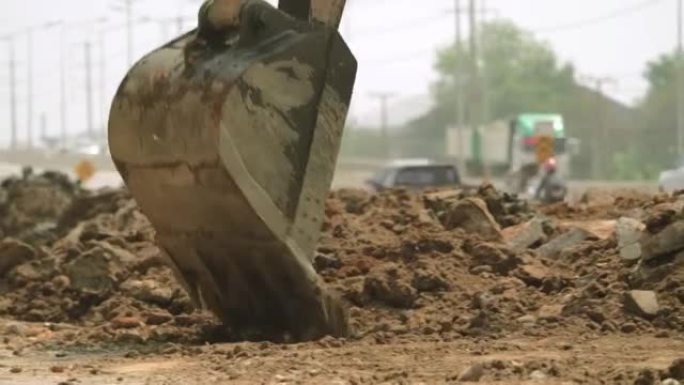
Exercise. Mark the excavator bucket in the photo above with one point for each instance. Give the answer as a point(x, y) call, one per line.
point(228, 141)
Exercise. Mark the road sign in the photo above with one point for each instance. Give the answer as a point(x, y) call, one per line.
point(545, 148)
point(84, 170)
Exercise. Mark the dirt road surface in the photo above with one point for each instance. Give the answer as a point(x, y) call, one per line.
point(442, 287)
point(588, 360)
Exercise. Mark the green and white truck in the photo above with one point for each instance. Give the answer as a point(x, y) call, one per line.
point(515, 148)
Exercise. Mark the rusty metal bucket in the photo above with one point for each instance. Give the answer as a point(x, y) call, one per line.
point(229, 148)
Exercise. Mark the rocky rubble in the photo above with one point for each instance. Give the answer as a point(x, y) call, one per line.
point(431, 266)
point(442, 265)
point(96, 266)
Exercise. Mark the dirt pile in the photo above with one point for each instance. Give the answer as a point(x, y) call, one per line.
point(431, 266)
point(104, 271)
point(30, 205)
point(411, 273)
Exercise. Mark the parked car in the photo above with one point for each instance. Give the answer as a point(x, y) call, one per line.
point(415, 176)
point(672, 180)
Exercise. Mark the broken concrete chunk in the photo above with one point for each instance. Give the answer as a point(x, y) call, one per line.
point(472, 374)
point(629, 231)
point(149, 290)
point(38, 270)
point(550, 312)
point(642, 303)
point(92, 272)
point(631, 252)
point(525, 235)
point(471, 215)
point(669, 240)
point(599, 229)
point(14, 253)
point(676, 369)
point(570, 239)
point(533, 274)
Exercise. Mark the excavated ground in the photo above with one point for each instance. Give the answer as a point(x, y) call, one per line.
point(443, 287)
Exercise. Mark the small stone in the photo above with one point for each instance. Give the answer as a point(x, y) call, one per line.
point(57, 369)
point(662, 334)
point(323, 261)
point(628, 327)
point(14, 253)
point(669, 240)
point(91, 272)
point(628, 231)
point(157, 317)
point(15, 370)
point(525, 235)
point(533, 273)
point(126, 322)
point(645, 377)
point(631, 252)
point(550, 313)
point(676, 370)
point(390, 291)
point(472, 374)
point(553, 249)
point(642, 303)
point(472, 215)
point(61, 282)
point(527, 319)
point(149, 290)
point(477, 270)
point(670, 381)
point(15, 329)
point(130, 336)
point(538, 375)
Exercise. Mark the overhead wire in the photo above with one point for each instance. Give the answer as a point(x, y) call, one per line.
point(615, 14)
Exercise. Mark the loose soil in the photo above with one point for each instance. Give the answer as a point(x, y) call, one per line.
point(442, 287)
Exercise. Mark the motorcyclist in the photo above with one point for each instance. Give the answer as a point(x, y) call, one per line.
point(549, 181)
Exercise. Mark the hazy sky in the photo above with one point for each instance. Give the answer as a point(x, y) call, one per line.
point(394, 41)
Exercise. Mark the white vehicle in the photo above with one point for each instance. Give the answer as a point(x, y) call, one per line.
point(672, 180)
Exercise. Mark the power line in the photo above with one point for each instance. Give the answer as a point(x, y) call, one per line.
point(598, 19)
point(404, 25)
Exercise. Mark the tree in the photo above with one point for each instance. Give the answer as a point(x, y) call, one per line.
point(519, 74)
point(660, 111)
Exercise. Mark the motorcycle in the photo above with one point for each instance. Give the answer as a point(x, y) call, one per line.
point(555, 189)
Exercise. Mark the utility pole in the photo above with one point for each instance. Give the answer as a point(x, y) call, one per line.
point(599, 139)
point(89, 89)
point(29, 87)
point(384, 97)
point(62, 90)
point(13, 95)
point(103, 81)
point(129, 30)
point(474, 70)
point(179, 24)
point(680, 83)
point(474, 86)
point(484, 85)
point(458, 89)
point(126, 6)
point(43, 127)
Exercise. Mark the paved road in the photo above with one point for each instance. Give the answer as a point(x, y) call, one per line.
point(344, 178)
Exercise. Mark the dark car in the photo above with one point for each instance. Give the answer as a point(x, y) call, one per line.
point(415, 177)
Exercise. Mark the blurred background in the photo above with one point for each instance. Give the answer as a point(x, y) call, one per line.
point(438, 79)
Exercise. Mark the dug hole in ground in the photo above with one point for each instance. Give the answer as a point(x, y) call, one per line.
point(443, 287)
